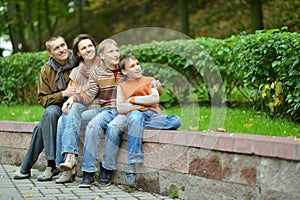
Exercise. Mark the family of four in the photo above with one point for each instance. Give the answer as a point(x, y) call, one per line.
point(91, 89)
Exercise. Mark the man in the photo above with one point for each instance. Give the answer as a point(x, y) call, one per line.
point(52, 92)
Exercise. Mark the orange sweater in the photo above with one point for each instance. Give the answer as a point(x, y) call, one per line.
point(137, 95)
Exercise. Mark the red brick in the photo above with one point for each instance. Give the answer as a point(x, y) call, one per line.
point(283, 150)
point(165, 137)
point(179, 138)
point(226, 144)
point(243, 145)
point(193, 139)
point(262, 148)
point(209, 141)
point(297, 154)
point(151, 136)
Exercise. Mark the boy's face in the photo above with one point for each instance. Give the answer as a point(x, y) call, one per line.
point(59, 51)
point(111, 56)
point(132, 69)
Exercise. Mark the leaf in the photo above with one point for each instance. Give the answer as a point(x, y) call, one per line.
point(28, 195)
point(247, 125)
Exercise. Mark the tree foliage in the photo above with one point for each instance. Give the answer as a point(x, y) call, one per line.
point(28, 23)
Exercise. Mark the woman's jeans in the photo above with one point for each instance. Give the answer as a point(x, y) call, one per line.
point(43, 137)
point(94, 130)
point(69, 127)
point(137, 121)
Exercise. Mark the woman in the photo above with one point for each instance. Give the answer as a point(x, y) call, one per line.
point(76, 116)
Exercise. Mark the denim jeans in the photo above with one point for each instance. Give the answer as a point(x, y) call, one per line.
point(113, 139)
point(137, 121)
point(43, 137)
point(69, 127)
point(94, 130)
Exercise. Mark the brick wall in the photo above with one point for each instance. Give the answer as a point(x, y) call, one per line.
point(202, 165)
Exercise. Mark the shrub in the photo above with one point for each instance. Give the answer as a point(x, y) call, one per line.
point(19, 77)
point(265, 65)
point(269, 66)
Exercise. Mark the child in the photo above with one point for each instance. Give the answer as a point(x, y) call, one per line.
point(138, 98)
point(107, 76)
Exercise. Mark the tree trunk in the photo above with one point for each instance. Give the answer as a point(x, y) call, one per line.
point(256, 15)
point(81, 20)
point(184, 18)
point(32, 44)
point(13, 30)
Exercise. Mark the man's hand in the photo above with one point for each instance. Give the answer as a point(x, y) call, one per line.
point(71, 90)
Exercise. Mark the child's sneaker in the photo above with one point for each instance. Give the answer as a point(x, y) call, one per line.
point(130, 179)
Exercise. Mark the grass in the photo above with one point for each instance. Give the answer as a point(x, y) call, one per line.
point(21, 113)
point(233, 120)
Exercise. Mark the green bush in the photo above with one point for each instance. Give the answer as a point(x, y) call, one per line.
point(193, 70)
point(263, 66)
point(19, 77)
point(269, 66)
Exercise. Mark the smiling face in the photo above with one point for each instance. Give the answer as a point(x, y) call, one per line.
point(86, 50)
point(132, 69)
point(59, 50)
point(111, 56)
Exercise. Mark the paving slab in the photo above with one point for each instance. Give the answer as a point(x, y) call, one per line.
point(11, 189)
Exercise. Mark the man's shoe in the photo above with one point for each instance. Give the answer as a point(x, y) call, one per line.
point(130, 179)
point(18, 175)
point(48, 174)
point(104, 179)
point(87, 180)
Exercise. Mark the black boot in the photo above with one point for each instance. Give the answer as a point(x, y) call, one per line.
point(105, 174)
point(87, 180)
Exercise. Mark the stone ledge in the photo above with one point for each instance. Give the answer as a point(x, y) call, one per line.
point(270, 146)
point(211, 165)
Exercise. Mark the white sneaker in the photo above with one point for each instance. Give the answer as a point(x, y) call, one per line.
point(18, 175)
point(48, 174)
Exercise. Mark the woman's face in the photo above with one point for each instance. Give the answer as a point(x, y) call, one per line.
point(111, 56)
point(86, 50)
point(132, 69)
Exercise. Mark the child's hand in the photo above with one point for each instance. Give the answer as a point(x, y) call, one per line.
point(67, 105)
point(157, 85)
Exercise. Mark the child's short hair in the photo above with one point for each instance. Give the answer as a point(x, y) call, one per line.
point(124, 60)
point(105, 43)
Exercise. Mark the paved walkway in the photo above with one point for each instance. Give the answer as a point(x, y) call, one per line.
point(33, 189)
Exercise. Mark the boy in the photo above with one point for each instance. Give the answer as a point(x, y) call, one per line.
point(138, 104)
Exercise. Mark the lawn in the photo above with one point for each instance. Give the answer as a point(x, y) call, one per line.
point(233, 120)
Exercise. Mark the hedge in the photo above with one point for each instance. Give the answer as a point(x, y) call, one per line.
point(263, 66)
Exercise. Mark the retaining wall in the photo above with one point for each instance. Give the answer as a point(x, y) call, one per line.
point(201, 165)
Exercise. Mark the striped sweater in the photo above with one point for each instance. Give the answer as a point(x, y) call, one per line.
point(107, 82)
point(79, 78)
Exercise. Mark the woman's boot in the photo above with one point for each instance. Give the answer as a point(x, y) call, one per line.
point(70, 163)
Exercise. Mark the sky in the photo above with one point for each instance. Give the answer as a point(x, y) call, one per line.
point(7, 46)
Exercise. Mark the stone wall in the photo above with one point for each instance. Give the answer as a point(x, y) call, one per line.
point(201, 165)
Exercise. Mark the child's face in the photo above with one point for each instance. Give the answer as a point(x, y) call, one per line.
point(111, 55)
point(132, 69)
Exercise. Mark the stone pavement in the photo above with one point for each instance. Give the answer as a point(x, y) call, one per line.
point(33, 189)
